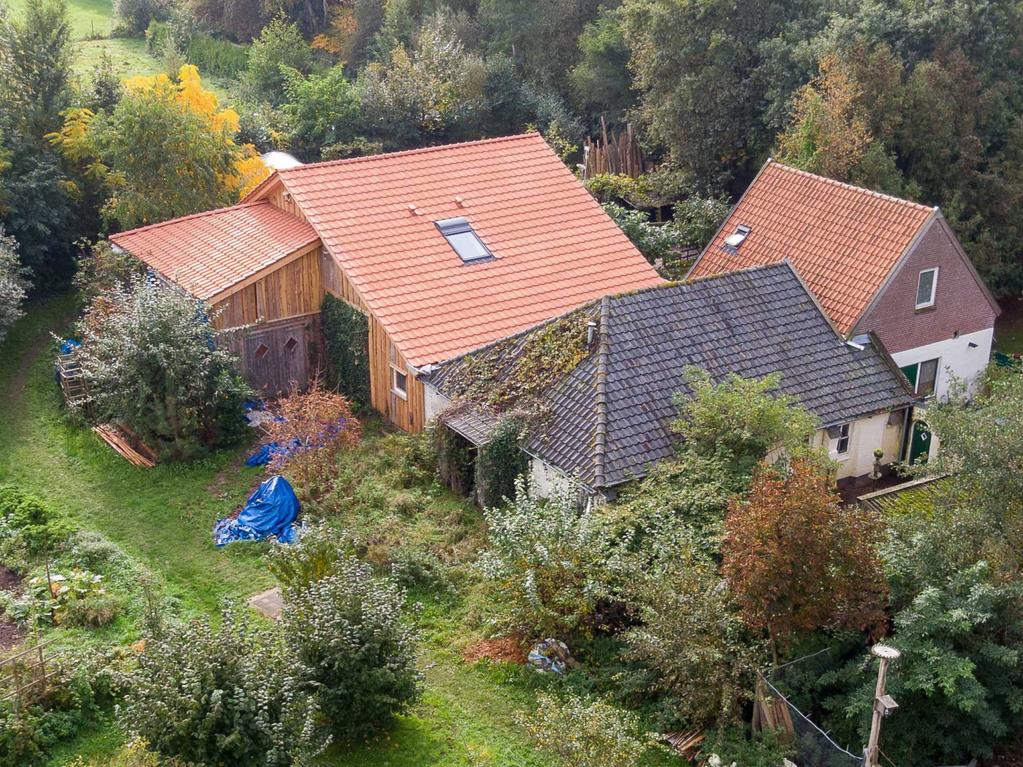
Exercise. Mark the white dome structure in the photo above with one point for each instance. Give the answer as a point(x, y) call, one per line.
point(279, 160)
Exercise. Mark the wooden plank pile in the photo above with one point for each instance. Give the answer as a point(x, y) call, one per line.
point(127, 445)
point(771, 712)
point(618, 153)
point(687, 744)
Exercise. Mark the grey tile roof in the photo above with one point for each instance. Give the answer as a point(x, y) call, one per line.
point(609, 419)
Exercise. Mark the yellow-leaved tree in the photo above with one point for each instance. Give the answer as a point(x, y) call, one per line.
point(166, 149)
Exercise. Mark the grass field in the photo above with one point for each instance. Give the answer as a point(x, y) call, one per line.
point(163, 517)
point(91, 24)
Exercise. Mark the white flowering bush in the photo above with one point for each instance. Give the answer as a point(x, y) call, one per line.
point(549, 560)
point(351, 649)
point(586, 733)
point(219, 696)
point(13, 283)
point(150, 358)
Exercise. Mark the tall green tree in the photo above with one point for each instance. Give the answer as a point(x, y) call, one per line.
point(35, 58)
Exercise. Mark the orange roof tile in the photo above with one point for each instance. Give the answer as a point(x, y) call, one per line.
point(842, 240)
point(209, 252)
point(554, 248)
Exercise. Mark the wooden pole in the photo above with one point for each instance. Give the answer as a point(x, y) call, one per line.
point(882, 704)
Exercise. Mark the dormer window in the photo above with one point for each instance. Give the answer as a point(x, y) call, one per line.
point(926, 287)
point(465, 242)
point(738, 237)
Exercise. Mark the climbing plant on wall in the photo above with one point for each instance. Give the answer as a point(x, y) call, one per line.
point(500, 462)
point(346, 333)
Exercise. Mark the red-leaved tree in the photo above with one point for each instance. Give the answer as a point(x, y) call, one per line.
point(312, 429)
point(797, 560)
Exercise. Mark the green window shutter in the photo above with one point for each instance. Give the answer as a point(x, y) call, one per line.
point(911, 373)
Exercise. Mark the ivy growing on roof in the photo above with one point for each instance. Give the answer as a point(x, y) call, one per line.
point(514, 373)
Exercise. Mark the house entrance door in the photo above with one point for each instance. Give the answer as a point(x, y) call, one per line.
point(920, 443)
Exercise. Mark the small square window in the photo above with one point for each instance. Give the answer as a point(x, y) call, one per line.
point(399, 382)
point(926, 287)
point(291, 344)
point(927, 377)
point(261, 351)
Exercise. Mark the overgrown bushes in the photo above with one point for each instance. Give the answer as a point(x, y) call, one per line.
point(150, 358)
point(217, 696)
point(353, 652)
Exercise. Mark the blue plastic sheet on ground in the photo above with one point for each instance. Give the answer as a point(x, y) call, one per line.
point(262, 456)
point(68, 345)
point(270, 512)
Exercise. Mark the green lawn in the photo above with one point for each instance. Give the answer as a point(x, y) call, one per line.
point(89, 18)
point(91, 24)
point(163, 517)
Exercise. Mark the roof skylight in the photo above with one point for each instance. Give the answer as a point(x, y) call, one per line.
point(736, 239)
point(461, 237)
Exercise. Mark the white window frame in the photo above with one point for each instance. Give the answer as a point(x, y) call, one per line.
point(844, 433)
point(937, 374)
point(395, 372)
point(934, 288)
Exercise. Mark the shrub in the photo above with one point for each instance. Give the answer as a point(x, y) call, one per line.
point(317, 426)
point(319, 552)
point(101, 269)
point(215, 56)
point(138, 14)
point(500, 462)
point(550, 560)
point(658, 242)
point(279, 48)
point(797, 560)
point(739, 420)
point(218, 696)
point(586, 733)
point(150, 358)
point(351, 649)
point(13, 282)
point(693, 639)
point(81, 687)
point(37, 529)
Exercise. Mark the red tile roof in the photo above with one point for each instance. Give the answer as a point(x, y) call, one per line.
point(209, 252)
point(842, 240)
point(554, 248)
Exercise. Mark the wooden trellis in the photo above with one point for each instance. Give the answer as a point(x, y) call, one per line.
point(23, 676)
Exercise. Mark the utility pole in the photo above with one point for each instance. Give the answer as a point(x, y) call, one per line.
point(883, 704)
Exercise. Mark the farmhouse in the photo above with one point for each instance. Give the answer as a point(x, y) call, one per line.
point(606, 418)
point(876, 264)
point(441, 250)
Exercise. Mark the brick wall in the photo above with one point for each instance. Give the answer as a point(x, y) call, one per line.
point(960, 304)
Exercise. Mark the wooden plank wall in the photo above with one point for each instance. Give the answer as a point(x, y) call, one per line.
point(293, 290)
point(277, 355)
point(408, 414)
point(279, 198)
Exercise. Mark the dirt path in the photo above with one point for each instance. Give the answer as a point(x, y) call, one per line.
point(37, 343)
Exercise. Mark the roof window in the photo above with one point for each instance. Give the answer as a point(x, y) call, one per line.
point(463, 239)
point(736, 239)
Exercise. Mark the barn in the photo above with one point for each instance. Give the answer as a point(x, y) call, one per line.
point(441, 250)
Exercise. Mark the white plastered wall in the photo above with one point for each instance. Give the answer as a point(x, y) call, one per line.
point(865, 435)
point(956, 357)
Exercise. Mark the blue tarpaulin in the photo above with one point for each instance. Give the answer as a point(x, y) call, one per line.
point(262, 456)
point(270, 512)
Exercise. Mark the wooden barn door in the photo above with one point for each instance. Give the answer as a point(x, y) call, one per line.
point(276, 356)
